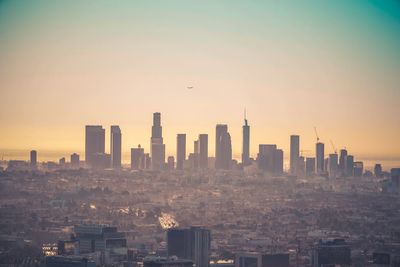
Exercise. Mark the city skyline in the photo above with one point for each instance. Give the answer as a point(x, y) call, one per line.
point(126, 152)
point(297, 69)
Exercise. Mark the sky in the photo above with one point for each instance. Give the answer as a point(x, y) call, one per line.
point(293, 65)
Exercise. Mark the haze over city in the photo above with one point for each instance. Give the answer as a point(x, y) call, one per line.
point(292, 65)
point(199, 133)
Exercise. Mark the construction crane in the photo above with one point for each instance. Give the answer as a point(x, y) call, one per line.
point(333, 146)
point(316, 133)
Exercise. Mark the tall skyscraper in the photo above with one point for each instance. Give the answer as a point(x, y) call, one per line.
point(278, 161)
point(94, 144)
point(193, 243)
point(203, 151)
point(342, 160)
point(333, 165)
point(320, 157)
point(180, 151)
point(349, 165)
point(157, 145)
point(223, 147)
point(115, 147)
point(194, 158)
point(137, 158)
point(294, 153)
point(246, 143)
point(310, 166)
point(33, 158)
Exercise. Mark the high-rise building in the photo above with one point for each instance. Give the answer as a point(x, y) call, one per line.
point(378, 170)
point(333, 165)
point(266, 157)
point(278, 161)
point(33, 158)
point(310, 166)
point(115, 147)
point(301, 166)
point(203, 151)
point(104, 239)
point(320, 157)
point(157, 145)
point(193, 243)
point(180, 151)
point(94, 144)
point(223, 148)
point(342, 161)
point(61, 162)
point(358, 169)
point(349, 166)
point(75, 160)
point(246, 143)
point(137, 158)
point(294, 153)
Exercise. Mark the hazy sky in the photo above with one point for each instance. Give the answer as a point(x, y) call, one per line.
point(293, 65)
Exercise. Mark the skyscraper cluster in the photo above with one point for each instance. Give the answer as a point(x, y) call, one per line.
point(95, 156)
point(269, 159)
point(223, 147)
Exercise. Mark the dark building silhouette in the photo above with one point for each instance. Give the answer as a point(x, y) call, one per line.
point(331, 252)
point(75, 162)
point(278, 161)
point(223, 148)
point(294, 153)
point(262, 260)
point(33, 158)
point(358, 169)
point(70, 261)
point(180, 151)
point(195, 157)
point(115, 147)
point(349, 166)
point(157, 145)
point(94, 144)
point(61, 162)
point(101, 161)
point(310, 166)
point(333, 165)
point(301, 166)
point(138, 160)
point(203, 151)
point(166, 262)
point(320, 157)
point(266, 158)
point(378, 171)
point(193, 243)
point(342, 161)
point(246, 143)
